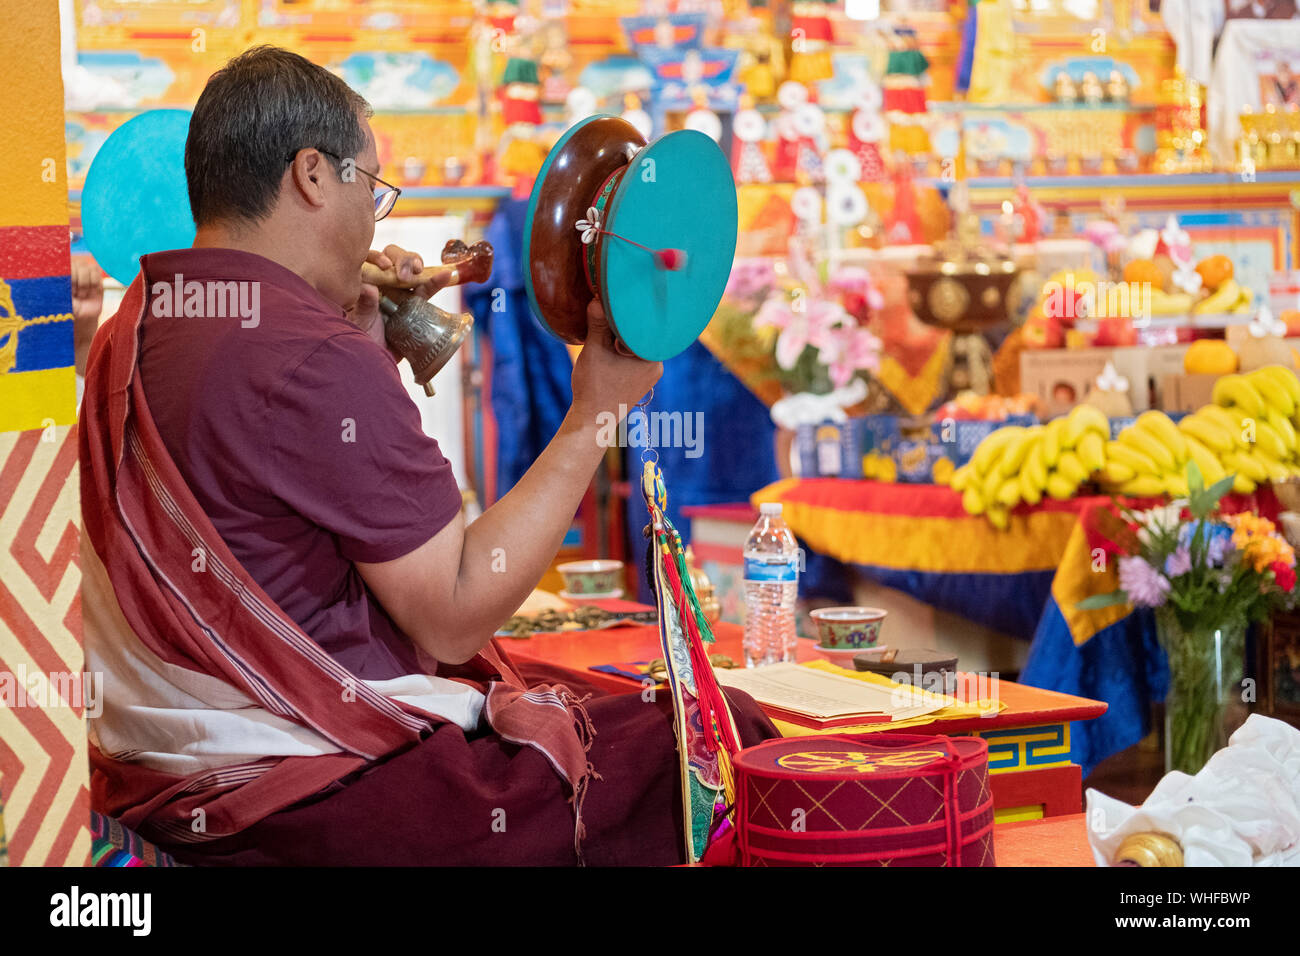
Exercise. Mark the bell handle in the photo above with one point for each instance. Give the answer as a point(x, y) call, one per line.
point(441, 276)
point(460, 263)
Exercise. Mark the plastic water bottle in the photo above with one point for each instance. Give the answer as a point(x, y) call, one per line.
point(771, 588)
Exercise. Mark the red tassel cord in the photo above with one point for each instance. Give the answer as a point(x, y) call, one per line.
point(673, 260)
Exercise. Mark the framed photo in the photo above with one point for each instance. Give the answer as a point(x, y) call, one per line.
point(1279, 667)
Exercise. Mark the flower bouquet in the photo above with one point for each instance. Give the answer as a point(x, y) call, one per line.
point(731, 336)
point(1207, 575)
point(817, 344)
point(787, 328)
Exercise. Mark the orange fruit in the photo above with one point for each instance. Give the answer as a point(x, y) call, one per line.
point(1209, 357)
point(1215, 270)
point(1144, 270)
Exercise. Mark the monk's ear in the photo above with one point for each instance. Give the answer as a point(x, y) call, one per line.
point(307, 176)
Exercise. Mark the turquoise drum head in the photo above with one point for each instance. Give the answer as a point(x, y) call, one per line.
point(648, 229)
point(135, 200)
point(678, 194)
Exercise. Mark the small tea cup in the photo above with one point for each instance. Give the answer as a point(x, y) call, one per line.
point(848, 627)
point(601, 578)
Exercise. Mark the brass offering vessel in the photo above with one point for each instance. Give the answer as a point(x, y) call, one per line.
point(704, 590)
point(964, 287)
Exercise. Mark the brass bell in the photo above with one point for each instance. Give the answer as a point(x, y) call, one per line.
point(416, 329)
point(423, 334)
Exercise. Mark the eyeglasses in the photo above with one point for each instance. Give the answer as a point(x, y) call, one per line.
point(385, 198)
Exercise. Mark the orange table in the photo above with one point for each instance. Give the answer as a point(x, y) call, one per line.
point(1060, 841)
point(1029, 741)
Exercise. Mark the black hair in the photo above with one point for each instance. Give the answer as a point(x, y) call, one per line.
point(253, 116)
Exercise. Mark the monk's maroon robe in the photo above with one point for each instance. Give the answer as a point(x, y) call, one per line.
point(282, 447)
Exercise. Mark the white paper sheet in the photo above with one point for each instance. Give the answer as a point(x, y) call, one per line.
point(822, 695)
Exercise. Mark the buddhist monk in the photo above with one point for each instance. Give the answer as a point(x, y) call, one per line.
point(293, 620)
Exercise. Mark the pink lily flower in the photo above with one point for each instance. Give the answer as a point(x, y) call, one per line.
point(811, 327)
point(823, 318)
point(749, 277)
point(850, 350)
point(774, 311)
point(856, 281)
point(1100, 232)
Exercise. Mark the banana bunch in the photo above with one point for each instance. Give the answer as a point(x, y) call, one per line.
point(1229, 297)
point(1248, 431)
point(1016, 463)
point(1171, 303)
point(1150, 458)
point(1250, 427)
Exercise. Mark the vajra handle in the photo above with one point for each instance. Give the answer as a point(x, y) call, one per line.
point(460, 264)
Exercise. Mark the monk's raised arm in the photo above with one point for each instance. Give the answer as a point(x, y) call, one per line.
point(452, 593)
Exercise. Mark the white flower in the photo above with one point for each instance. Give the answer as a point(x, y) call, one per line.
point(1110, 380)
point(1187, 278)
point(1176, 238)
point(1265, 324)
point(590, 226)
point(1162, 518)
point(1143, 245)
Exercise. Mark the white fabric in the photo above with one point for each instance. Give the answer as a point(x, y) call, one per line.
point(179, 721)
point(1242, 809)
point(1247, 49)
point(809, 409)
point(1193, 25)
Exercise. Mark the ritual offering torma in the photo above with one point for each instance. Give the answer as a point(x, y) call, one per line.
point(869, 800)
point(649, 230)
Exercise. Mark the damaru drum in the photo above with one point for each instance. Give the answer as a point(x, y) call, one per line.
point(648, 229)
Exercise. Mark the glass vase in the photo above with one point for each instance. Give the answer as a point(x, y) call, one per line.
point(1205, 701)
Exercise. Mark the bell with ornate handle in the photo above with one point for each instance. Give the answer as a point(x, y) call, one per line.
point(416, 329)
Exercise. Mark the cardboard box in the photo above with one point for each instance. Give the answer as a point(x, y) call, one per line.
point(1162, 361)
point(1117, 425)
point(1061, 377)
point(1186, 393)
point(828, 450)
point(1235, 334)
point(916, 452)
point(960, 437)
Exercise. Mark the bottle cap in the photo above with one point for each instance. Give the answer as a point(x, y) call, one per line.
point(770, 508)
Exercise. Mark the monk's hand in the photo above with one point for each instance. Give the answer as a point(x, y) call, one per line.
point(408, 266)
point(87, 290)
point(606, 376)
point(365, 314)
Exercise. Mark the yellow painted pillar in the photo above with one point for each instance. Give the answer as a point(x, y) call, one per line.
point(43, 769)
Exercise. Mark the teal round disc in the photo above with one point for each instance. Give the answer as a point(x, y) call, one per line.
point(677, 193)
point(135, 200)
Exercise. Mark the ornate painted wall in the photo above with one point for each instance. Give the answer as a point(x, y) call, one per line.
point(43, 768)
